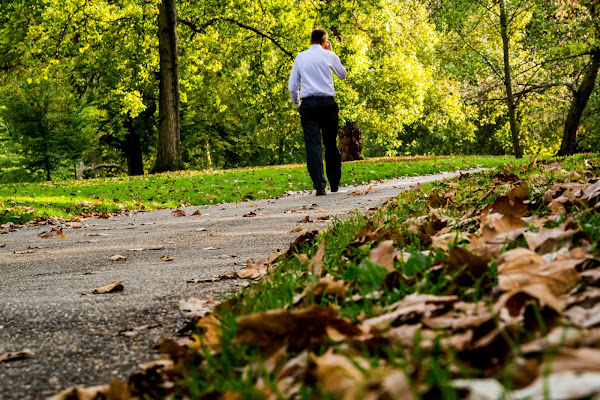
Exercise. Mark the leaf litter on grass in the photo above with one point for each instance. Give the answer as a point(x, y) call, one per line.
point(460, 297)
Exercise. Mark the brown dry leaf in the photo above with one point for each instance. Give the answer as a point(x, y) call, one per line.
point(590, 192)
point(112, 288)
point(421, 305)
point(201, 229)
point(28, 251)
point(252, 271)
point(557, 208)
point(514, 302)
point(325, 218)
point(496, 224)
point(585, 317)
point(137, 330)
point(385, 254)
point(305, 220)
point(2, 245)
point(521, 267)
point(210, 330)
point(561, 386)
point(560, 336)
point(520, 192)
point(476, 265)
point(582, 359)
point(15, 355)
point(315, 267)
point(510, 207)
point(198, 308)
point(303, 258)
point(80, 393)
point(306, 327)
point(117, 257)
point(197, 212)
point(178, 213)
point(332, 286)
point(296, 230)
point(250, 214)
point(45, 235)
point(60, 233)
point(166, 258)
point(338, 374)
point(548, 240)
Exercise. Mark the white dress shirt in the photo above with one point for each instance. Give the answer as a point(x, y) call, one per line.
point(312, 73)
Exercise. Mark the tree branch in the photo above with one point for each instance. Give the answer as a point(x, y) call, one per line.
point(200, 29)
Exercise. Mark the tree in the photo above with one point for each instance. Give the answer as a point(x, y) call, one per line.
point(168, 156)
point(582, 94)
point(51, 128)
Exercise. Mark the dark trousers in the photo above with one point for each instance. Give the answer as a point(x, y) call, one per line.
point(319, 118)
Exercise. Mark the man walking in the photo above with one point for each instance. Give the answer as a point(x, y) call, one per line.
point(312, 74)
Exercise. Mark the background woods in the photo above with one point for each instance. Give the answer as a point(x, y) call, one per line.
point(164, 85)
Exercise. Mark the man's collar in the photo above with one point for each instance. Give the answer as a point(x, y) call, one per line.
point(314, 46)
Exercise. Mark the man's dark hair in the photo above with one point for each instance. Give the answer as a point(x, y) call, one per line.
point(317, 36)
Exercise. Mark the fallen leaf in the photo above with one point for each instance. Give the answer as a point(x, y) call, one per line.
point(117, 257)
point(305, 220)
point(250, 214)
point(201, 230)
point(137, 330)
point(45, 235)
point(338, 374)
point(28, 251)
point(270, 329)
point(4, 244)
point(547, 240)
point(166, 258)
point(210, 333)
point(198, 308)
point(112, 288)
point(15, 355)
point(296, 230)
point(60, 233)
point(560, 386)
point(385, 254)
point(325, 218)
point(80, 393)
point(178, 213)
point(315, 267)
point(197, 212)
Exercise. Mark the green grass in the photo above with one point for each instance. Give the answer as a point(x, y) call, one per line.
point(22, 202)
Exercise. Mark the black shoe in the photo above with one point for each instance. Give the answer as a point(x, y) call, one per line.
point(321, 192)
point(334, 188)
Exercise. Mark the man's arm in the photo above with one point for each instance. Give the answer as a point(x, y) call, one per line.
point(294, 85)
point(338, 68)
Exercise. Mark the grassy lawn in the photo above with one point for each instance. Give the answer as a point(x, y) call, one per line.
point(483, 285)
point(20, 203)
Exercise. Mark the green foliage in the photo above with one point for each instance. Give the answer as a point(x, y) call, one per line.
point(424, 77)
point(48, 127)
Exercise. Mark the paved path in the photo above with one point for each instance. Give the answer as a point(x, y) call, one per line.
point(46, 300)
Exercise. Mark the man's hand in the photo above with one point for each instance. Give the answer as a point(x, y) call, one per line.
point(327, 46)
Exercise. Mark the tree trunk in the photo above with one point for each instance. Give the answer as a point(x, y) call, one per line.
point(351, 142)
point(168, 156)
point(580, 100)
point(510, 100)
point(133, 151)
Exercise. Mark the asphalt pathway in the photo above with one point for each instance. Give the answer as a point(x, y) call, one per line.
point(47, 303)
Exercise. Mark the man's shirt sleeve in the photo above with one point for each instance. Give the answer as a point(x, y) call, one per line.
point(294, 84)
point(338, 68)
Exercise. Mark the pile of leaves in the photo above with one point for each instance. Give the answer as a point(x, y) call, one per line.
point(484, 287)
